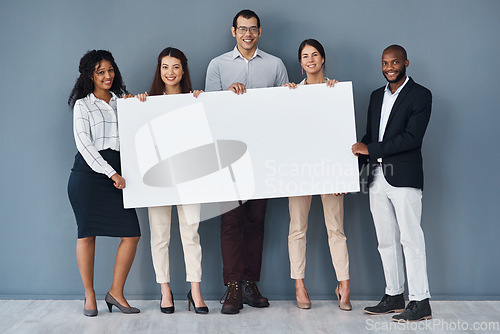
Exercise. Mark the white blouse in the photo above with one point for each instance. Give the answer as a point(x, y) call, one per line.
point(95, 126)
point(304, 82)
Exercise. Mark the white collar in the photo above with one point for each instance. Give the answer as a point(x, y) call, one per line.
point(93, 98)
point(236, 53)
point(388, 90)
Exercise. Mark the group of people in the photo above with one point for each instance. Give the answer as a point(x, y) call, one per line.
point(397, 119)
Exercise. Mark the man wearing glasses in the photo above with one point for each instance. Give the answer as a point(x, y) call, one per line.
point(242, 229)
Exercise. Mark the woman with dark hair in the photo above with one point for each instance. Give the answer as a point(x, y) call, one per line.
point(95, 184)
point(172, 77)
point(312, 60)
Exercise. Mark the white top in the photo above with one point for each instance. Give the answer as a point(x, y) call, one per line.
point(304, 82)
point(261, 71)
point(95, 126)
point(387, 104)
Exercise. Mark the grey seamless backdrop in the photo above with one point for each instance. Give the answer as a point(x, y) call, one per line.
point(453, 48)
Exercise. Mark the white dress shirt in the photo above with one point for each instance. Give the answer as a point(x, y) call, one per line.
point(95, 126)
point(387, 104)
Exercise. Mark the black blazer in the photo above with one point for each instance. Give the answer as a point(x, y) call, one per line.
point(400, 149)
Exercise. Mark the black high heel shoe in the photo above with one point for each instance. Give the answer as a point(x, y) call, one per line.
point(199, 310)
point(169, 309)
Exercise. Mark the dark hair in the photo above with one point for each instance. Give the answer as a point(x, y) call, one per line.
point(246, 14)
point(396, 47)
point(315, 44)
point(84, 85)
point(158, 86)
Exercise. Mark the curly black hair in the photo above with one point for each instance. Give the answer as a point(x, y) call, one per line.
point(84, 84)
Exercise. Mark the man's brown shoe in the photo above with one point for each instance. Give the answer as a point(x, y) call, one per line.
point(232, 299)
point(252, 296)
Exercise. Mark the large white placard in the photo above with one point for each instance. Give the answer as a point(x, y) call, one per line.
point(269, 142)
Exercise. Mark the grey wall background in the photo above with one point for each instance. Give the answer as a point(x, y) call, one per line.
point(453, 48)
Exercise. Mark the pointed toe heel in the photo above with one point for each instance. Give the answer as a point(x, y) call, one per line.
point(304, 306)
point(88, 313)
point(168, 309)
point(197, 310)
point(343, 306)
point(110, 301)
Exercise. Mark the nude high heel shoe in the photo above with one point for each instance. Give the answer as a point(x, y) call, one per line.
point(306, 305)
point(342, 306)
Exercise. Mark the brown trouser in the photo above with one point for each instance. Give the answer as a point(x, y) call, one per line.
point(242, 239)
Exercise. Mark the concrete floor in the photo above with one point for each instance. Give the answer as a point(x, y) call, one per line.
point(65, 316)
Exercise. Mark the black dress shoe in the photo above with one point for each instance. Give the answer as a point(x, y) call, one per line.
point(198, 310)
point(415, 311)
point(168, 309)
point(388, 304)
point(232, 299)
point(252, 296)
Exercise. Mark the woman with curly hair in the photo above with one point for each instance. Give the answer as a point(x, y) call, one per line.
point(95, 184)
point(172, 77)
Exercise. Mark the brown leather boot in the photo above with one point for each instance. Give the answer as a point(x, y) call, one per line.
point(252, 296)
point(232, 299)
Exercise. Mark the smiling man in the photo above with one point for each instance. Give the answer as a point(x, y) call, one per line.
point(398, 115)
point(246, 66)
point(242, 229)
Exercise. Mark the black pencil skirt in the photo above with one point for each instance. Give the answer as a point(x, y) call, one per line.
point(97, 204)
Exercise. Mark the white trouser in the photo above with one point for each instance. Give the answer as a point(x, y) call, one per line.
point(396, 214)
point(333, 207)
point(160, 222)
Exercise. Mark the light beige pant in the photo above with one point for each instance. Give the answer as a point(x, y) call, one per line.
point(333, 207)
point(160, 222)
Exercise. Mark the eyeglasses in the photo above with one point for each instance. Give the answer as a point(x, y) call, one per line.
point(243, 30)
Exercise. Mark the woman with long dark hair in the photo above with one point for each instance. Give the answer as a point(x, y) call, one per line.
point(312, 58)
point(95, 184)
point(172, 77)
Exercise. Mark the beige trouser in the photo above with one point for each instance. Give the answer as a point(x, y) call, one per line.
point(160, 222)
point(333, 207)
